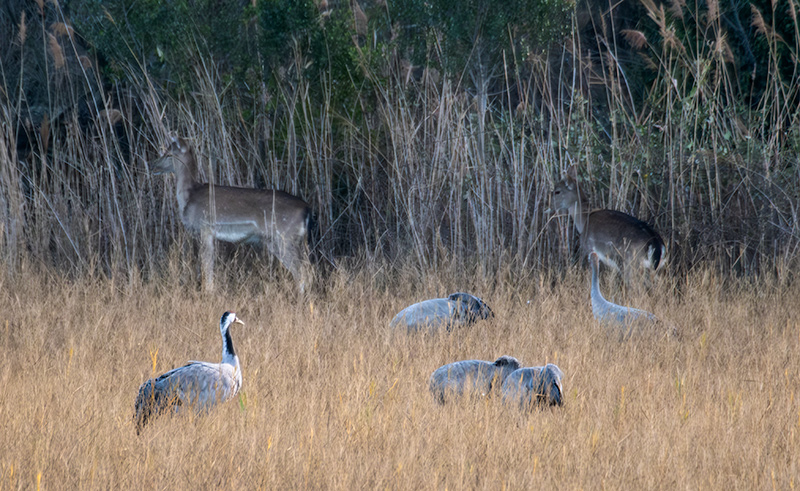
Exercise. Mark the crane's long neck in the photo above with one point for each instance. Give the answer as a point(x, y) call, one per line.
point(596, 295)
point(228, 353)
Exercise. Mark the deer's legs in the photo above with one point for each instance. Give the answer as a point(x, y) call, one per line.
point(294, 257)
point(207, 259)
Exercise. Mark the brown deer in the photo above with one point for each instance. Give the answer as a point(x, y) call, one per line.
point(621, 241)
point(275, 219)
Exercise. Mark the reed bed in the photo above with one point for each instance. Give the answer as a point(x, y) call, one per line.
point(415, 172)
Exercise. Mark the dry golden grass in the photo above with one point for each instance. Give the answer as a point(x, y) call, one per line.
point(332, 399)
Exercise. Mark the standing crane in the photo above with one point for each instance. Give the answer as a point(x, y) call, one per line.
point(610, 313)
point(198, 385)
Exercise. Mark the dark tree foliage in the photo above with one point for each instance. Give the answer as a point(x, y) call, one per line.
point(45, 73)
point(478, 39)
point(295, 30)
point(163, 37)
point(287, 26)
point(465, 35)
point(753, 48)
point(248, 42)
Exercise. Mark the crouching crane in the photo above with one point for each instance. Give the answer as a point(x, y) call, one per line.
point(534, 385)
point(476, 376)
point(458, 309)
point(198, 385)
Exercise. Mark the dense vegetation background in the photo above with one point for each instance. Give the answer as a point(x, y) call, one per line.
point(423, 133)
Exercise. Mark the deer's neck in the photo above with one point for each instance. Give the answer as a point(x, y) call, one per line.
point(580, 215)
point(186, 174)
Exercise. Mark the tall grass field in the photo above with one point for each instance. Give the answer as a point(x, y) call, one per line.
point(333, 399)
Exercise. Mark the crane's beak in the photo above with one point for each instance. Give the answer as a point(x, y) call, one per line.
point(238, 321)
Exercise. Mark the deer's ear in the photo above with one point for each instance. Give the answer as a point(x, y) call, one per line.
point(572, 172)
point(183, 145)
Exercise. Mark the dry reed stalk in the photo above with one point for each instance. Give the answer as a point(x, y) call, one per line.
point(23, 29)
point(61, 29)
point(758, 21)
point(712, 12)
point(636, 39)
point(56, 51)
point(676, 8)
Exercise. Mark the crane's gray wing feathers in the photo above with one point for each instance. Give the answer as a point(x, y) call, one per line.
point(534, 385)
point(429, 315)
point(475, 376)
point(458, 309)
point(198, 385)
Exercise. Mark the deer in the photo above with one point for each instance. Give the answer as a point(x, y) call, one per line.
point(277, 220)
point(621, 241)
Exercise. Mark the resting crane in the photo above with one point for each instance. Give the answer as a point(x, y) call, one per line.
point(458, 309)
point(198, 385)
point(477, 376)
point(534, 385)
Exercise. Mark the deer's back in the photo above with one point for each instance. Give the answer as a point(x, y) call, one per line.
point(611, 228)
point(245, 214)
